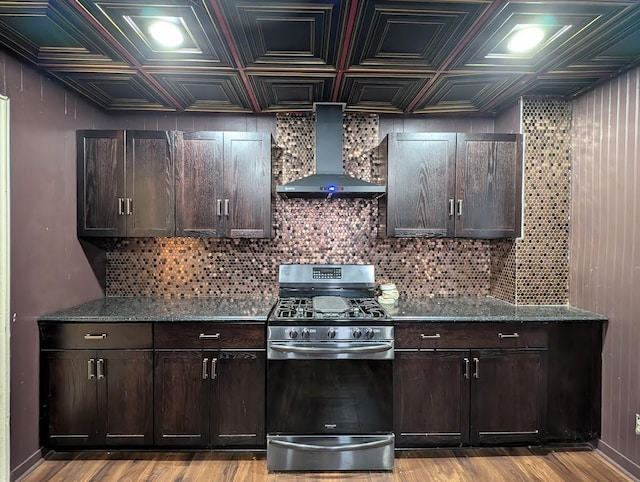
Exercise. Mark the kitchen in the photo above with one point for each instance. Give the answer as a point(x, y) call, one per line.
point(557, 261)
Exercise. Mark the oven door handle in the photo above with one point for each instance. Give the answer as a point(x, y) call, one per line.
point(288, 348)
point(333, 448)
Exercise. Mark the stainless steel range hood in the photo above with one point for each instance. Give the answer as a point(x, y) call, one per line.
point(329, 179)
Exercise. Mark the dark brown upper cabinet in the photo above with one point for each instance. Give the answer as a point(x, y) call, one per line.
point(223, 184)
point(125, 183)
point(451, 185)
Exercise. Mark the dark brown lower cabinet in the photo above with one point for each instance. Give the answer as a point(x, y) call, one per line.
point(207, 394)
point(469, 384)
point(209, 398)
point(97, 398)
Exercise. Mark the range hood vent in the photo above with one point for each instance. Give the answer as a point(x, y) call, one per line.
point(329, 179)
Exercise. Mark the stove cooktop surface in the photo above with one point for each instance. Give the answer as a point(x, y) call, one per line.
point(328, 308)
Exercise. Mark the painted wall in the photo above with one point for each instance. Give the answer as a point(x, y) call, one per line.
point(49, 269)
point(604, 266)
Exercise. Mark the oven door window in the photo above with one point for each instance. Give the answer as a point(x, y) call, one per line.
point(329, 397)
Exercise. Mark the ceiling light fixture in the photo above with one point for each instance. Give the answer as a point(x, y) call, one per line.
point(525, 39)
point(166, 33)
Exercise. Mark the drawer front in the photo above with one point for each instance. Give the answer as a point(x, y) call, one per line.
point(209, 335)
point(96, 336)
point(466, 335)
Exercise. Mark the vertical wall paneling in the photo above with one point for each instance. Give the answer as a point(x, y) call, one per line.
point(604, 258)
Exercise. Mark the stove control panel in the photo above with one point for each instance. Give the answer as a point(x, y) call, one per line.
point(303, 334)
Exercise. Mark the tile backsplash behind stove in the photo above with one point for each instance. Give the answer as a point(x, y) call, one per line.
point(316, 231)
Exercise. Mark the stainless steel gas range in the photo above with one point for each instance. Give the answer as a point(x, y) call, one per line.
point(330, 350)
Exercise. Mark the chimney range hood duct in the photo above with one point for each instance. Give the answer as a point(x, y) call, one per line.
point(329, 179)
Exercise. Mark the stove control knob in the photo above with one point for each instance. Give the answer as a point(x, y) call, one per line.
point(305, 333)
point(357, 333)
point(293, 333)
point(369, 334)
point(331, 333)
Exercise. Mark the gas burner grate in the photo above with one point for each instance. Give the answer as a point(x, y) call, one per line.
point(303, 309)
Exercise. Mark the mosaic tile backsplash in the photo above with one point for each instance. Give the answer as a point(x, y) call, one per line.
point(318, 231)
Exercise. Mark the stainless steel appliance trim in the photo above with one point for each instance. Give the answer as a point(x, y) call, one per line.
point(333, 448)
point(324, 349)
point(330, 452)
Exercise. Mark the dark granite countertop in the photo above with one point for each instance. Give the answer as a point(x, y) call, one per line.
point(459, 309)
point(484, 309)
point(166, 309)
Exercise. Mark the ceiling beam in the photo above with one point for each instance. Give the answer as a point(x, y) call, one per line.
point(344, 50)
point(228, 38)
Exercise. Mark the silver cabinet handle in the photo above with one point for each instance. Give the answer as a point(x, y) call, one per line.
point(429, 337)
point(205, 336)
point(476, 373)
point(205, 375)
point(129, 206)
point(90, 336)
point(90, 373)
point(100, 368)
point(466, 368)
point(459, 207)
point(508, 335)
point(219, 207)
point(451, 207)
point(214, 368)
point(226, 207)
point(120, 206)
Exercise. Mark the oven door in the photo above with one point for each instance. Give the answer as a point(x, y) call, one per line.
point(329, 397)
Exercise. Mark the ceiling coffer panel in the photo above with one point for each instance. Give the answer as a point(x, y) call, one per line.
point(566, 24)
point(206, 92)
point(128, 24)
point(116, 90)
point(366, 92)
point(291, 92)
point(415, 35)
point(425, 57)
point(53, 35)
point(286, 33)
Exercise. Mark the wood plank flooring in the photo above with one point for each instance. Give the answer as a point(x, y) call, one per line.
point(458, 465)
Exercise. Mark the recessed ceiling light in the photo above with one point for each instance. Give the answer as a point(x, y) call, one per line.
point(166, 33)
point(525, 39)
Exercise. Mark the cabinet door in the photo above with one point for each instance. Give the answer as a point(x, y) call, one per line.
point(69, 398)
point(431, 391)
point(240, 417)
point(421, 180)
point(199, 200)
point(100, 183)
point(247, 184)
point(181, 397)
point(508, 396)
point(149, 206)
point(125, 395)
point(488, 185)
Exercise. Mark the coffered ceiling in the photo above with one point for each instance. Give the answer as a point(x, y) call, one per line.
point(384, 56)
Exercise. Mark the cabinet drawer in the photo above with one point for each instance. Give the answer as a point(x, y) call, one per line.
point(96, 336)
point(465, 335)
point(209, 335)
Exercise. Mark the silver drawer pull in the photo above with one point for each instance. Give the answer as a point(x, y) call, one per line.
point(90, 363)
point(205, 336)
point(429, 337)
point(508, 335)
point(90, 336)
point(204, 369)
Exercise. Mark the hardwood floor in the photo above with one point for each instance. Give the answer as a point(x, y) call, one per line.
point(458, 465)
